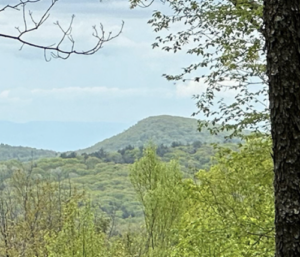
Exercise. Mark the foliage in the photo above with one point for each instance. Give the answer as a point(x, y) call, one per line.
point(8, 152)
point(191, 157)
point(79, 235)
point(104, 175)
point(225, 38)
point(231, 207)
point(34, 209)
point(226, 210)
point(159, 188)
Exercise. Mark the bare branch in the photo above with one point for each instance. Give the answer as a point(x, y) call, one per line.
point(24, 18)
point(56, 50)
point(16, 7)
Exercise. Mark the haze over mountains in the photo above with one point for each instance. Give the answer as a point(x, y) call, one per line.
point(57, 136)
point(163, 129)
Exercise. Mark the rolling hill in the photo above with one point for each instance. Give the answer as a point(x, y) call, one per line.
point(162, 129)
point(21, 153)
point(104, 174)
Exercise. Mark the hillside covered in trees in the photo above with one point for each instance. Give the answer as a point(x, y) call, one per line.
point(142, 199)
point(104, 175)
point(152, 207)
point(164, 129)
point(22, 153)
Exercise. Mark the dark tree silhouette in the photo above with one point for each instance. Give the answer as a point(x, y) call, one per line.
point(282, 25)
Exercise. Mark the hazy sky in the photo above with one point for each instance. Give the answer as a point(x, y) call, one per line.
point(122, 82)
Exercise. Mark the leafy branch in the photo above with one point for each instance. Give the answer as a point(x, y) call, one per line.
point(227, 41)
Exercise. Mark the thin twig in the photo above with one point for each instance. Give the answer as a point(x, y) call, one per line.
point(56, 50)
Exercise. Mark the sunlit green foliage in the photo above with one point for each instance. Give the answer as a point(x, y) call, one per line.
point(79, 235)
point(106, 181)
point(225, 210)
point(36, 213)
point(231, 206)
point(159, 188)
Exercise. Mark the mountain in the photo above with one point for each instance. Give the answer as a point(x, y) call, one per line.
point(162, 129)
point(104, 174)
point(21, 153)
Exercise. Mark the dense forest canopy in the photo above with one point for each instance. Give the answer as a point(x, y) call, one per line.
point(153, 207)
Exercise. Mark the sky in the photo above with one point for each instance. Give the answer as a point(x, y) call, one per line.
point(122, 83)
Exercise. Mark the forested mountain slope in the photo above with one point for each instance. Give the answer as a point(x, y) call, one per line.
point(103, 170)
point(162, 129)
point(21, 153)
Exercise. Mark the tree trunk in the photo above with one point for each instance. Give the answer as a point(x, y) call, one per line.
point(282, 32)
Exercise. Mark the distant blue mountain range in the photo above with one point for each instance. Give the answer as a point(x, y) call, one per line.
point(58, 136)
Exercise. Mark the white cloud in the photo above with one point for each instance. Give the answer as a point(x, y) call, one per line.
point(7, 98)
point(111, 92)
point(82, 91)
point(190, 89)
point(4, 94)
point(196, 88)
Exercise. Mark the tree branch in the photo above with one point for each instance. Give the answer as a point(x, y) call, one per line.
point(16, 7)
point(56, 50)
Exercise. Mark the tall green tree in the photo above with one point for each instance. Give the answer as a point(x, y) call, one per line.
point(230, 208)
point(159, 188)
point(79, 235)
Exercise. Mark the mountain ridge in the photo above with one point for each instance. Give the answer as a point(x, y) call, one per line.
point(162, 129)
point(24, 153)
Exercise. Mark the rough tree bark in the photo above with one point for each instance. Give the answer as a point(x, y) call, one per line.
point(282, 32)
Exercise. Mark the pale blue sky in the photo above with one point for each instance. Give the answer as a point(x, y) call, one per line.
point(121, 83)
